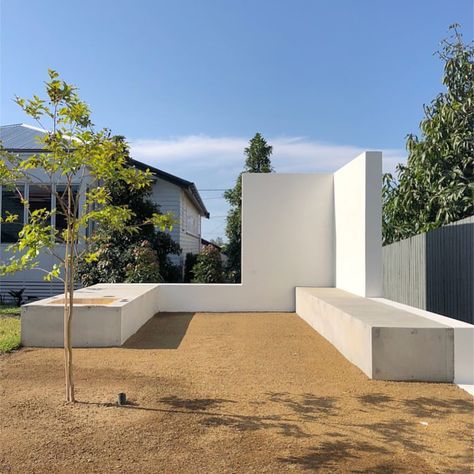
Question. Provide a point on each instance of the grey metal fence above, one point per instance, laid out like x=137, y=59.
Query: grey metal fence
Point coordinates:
x=434, y=271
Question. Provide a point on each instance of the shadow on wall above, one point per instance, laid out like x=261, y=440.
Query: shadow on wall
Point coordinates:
x=162, y=331
x=450, y=271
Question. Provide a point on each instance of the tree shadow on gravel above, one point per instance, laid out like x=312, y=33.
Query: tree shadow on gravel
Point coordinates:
x=329, y=454
x=302, y=408
x=377, y=399
x=425, y=407
x=403, y=433
x=308, y=407
x=257, y=423
x=195, y=404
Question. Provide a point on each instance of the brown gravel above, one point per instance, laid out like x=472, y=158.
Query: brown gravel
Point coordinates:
x=225, y=393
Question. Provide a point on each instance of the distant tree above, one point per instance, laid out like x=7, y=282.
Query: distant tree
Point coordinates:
x=208, y=267
x=218, y=241
x=257, y=161
x=436, y=187
x=75, y=161
x=120, y=254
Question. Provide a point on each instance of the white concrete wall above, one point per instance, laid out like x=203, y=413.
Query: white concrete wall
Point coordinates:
x=287, y=236
x=287, y=241
x=142, y=305
x=93, y=324
x=358, y=211
x=383, y=341
x=463, y=342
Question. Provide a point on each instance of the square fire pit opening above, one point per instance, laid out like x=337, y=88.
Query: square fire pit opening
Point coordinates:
x=88, y=301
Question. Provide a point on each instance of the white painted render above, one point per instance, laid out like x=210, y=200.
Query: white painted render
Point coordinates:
x=287, y=240
x=357, y=201
x=318, y=230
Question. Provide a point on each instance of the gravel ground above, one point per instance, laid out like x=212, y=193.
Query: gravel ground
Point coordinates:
x=225, y=393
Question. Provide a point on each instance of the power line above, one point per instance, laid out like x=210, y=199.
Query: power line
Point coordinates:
x=213, y=189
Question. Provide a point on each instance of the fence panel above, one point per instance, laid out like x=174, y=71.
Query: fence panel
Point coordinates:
x=434, y=271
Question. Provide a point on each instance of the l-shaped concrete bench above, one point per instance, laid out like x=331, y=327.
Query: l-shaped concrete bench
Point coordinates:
x=385, y=342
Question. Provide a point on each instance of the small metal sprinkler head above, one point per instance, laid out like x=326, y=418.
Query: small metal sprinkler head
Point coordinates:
x=122, y=398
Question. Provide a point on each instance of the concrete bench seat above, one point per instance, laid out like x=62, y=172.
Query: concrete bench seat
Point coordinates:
x=385, y=342
x=105, y=315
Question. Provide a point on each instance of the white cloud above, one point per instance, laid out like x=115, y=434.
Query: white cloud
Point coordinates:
x=215, y=162
x=198, y=154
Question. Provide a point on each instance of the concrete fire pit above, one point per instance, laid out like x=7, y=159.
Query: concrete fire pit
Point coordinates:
x=104, y=315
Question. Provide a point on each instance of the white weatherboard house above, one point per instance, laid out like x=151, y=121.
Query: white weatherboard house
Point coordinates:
x=171, y=193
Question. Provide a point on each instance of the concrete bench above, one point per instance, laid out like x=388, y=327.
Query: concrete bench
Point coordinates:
x=105, y=315
x=385, y=342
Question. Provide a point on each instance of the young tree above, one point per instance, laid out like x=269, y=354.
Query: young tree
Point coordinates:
x=436, y=185
x=257, y=161
x=75, y=162
x=208, y=267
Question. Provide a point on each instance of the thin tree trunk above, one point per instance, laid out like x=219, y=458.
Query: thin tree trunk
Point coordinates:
x=68, y=308
x=71, y=311
x=67, y=312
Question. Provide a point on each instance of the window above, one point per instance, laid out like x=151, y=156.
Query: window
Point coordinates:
x=60, y=216
x=39, y=197
x=192, y=225
x=11, y=204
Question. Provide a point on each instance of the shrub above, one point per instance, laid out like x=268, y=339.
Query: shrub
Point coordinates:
x=143, y=266
x=190, y=261
x=208, y=267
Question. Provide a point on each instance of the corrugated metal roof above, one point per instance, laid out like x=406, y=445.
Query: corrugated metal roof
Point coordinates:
x=20, y=137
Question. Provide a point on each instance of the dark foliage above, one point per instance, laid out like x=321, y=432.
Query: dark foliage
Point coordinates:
x=208, y=267
x=257, y=161
x=143, y=256
x=436, y=186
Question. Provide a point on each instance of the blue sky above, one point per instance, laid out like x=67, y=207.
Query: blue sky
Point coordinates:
x=189, y=82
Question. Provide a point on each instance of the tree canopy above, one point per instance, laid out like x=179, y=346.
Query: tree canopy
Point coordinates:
x=436, y=187
x=124, y=257
x=257, y=161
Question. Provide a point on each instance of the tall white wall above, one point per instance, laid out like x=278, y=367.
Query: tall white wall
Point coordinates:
x=287, y=235
x=357, y=201
x=287, y=241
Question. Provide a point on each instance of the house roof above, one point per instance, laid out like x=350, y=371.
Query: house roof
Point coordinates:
x=188, y=187
x=206, y=242
x=22, y=138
